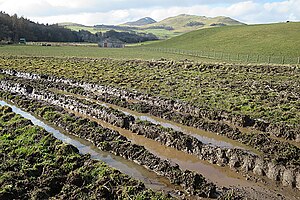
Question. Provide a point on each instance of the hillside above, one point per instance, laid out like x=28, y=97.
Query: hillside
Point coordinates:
x=70, y=24
x=265, y=39
x=141, y=22
x=78, y=27
x=184, y=23
x=167, y=28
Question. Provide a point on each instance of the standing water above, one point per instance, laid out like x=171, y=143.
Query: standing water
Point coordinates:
x=136, y=171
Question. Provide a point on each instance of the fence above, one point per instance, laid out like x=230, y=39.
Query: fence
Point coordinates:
x=243, y=58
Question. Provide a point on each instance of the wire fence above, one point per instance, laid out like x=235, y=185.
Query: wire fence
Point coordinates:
x=239, y=57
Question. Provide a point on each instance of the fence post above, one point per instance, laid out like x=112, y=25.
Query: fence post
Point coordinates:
x=257, y=60
x=282, y=59
x=269, y=59
x=247, y=58
x=238, y=57
x=298, y=60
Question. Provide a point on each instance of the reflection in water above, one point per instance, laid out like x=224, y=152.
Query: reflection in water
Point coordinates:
x=205, y=140
x=150, y=179
x=203, y=136
x=220, y=175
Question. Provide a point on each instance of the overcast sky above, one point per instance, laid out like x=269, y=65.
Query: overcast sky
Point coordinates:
x=91, y=12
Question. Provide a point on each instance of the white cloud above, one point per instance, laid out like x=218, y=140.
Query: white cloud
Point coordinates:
x=25, y=7
x=68, y=3
x=112, y=17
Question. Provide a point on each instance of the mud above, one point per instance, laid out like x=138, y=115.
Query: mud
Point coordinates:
x=112, y=141
x=151, y=180
x=235, y=159
x=35, y=165
x=159, y=106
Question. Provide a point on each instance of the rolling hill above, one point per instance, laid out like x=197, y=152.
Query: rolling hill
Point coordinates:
x=174, y=26
x=70, y=24
x=164, y=29
x=78, y=27
x=141, y=22
x=267, y=39
x=185, y=23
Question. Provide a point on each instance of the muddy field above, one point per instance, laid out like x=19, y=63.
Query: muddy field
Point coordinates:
x=213, y=131
x=35, y=165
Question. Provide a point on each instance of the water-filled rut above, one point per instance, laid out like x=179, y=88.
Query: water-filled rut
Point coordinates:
x=130, y=168
x=152, y=146
x=221, y=176
x=203, y=136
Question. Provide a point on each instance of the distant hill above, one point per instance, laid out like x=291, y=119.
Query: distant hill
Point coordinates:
x=281, y=39
x=70, y=24
x=164, y=29
x=141, y=22
x=185, y=23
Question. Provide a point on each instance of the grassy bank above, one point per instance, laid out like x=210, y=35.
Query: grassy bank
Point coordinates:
x=35, y=165
x=264, y=92
x=280, y=39
x=90, y=52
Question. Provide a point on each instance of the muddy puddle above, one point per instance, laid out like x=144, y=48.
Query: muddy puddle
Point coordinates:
x=203, y=136
x=150, y=179
x=221, y=176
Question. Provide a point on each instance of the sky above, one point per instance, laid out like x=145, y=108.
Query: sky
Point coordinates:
x=92, y=12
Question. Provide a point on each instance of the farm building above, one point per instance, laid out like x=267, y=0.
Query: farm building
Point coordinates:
x=22, y=41
x=111, y=43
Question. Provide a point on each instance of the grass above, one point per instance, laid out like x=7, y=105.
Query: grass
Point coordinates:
x=178, y=23
x=142, y=43
x=160, y=33
x=35, y=165
x=86, y=28
x=270, y=95
x=280, y=39
x=90, y=52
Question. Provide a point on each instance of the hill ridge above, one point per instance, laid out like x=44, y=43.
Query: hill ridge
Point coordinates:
x=141, y=22
x=166, y=28
x=278, y=39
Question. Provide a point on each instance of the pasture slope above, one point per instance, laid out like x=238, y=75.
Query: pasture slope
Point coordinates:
x=281, y=39
x=166, y=28
x=185, y=23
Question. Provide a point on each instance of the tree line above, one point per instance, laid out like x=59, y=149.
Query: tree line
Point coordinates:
x=12, y=28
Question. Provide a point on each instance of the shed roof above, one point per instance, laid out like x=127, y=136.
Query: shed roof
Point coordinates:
x=112, y=40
